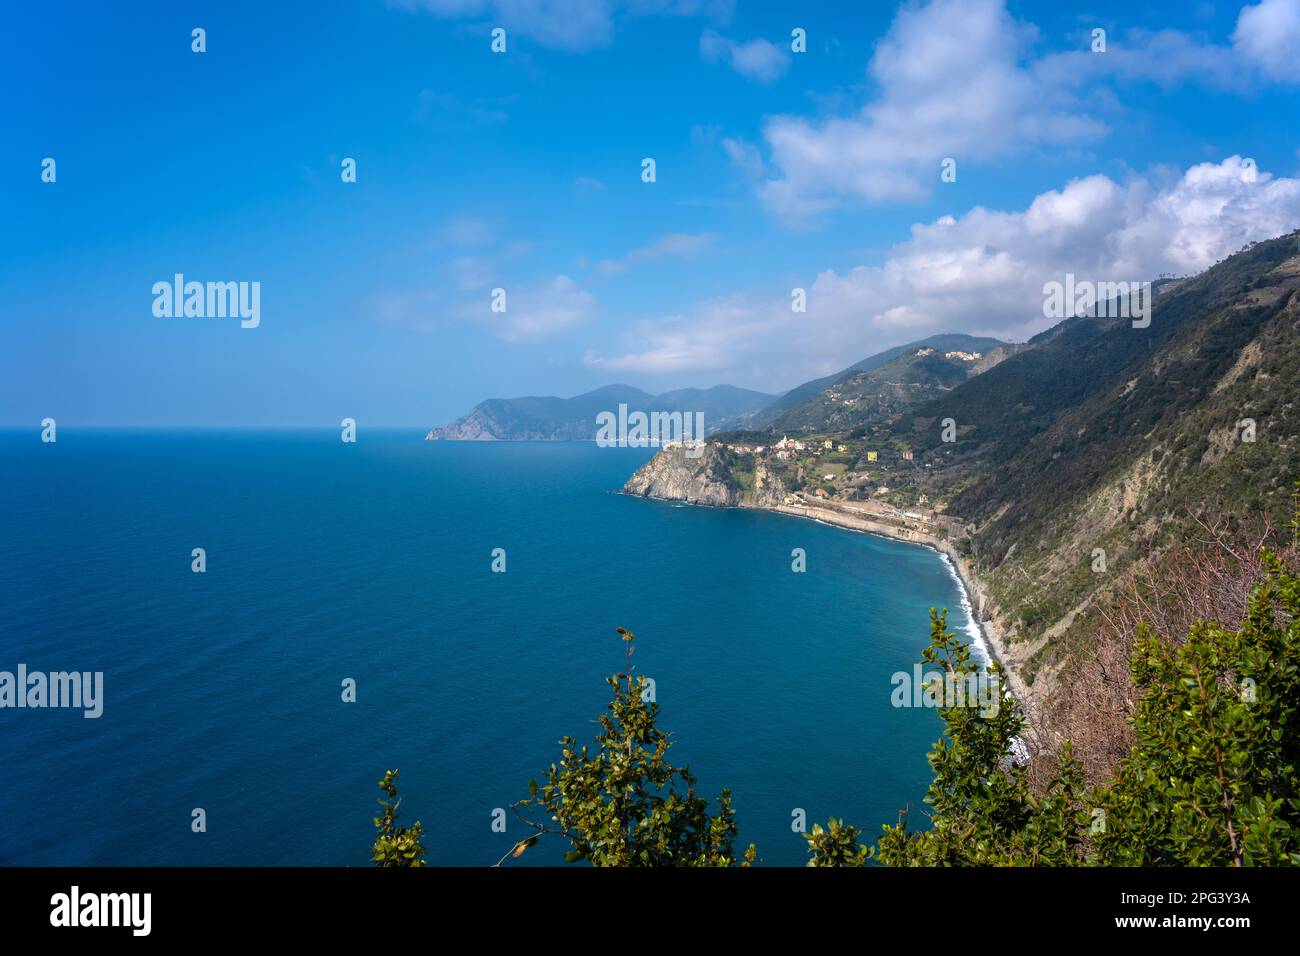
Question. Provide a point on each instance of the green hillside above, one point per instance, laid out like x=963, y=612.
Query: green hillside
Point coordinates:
x=864, y=397
x=1063, y=467
x=803, y=404
x=1105, y=436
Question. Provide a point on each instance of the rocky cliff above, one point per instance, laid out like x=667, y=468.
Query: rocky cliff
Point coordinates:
x=705, y=480
x=672, y=476
x=476, y=426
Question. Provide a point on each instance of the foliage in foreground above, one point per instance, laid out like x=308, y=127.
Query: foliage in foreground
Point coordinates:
x=1211, y=778
x=395, y=846
x=620, y=802
x=982, y=808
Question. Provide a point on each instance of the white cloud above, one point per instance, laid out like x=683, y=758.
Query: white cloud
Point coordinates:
x=758, y=59
x=666, y=358
x=674, y=245
x=981, y=272
x=705, y=340
x=561, y=24
x=958, y=78
x=538, y=311
x=950, y=83
x=535, y=311
x=1265, y=47
x=744, y=156
x=1268, y=35
x=720, y=10
x=1163, y=57
x=572, y=25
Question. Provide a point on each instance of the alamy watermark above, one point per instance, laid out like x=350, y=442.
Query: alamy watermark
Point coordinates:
x=208, y=300
x=128, y=910
x=69, y=689
x=653, y=429
x=978, y=689
x=1121, y=300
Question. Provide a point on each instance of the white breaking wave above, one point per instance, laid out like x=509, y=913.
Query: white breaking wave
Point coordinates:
x=974, y=632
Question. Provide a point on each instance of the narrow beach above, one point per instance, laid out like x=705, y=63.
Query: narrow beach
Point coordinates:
x=987, y=635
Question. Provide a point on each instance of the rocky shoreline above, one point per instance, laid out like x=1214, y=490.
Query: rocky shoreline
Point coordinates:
x=672, y=475
x=983, y=611
x=694, y=481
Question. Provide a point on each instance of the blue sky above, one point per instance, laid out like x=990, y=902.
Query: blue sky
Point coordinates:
x=522, y=170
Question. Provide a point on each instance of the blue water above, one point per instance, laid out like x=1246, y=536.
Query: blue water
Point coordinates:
x=372, y=561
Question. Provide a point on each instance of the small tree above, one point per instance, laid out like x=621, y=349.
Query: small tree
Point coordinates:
x=1213, y=777
x=395, y=846
x=620, y=802
x=836, y=845
x=983, y=811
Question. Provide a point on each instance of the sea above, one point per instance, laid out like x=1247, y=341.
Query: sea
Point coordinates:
x=349, y=621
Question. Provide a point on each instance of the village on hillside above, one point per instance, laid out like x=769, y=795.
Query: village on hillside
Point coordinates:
x=881, y=480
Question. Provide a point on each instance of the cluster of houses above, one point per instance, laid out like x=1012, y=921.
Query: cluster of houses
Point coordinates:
x=964, y=356
x=836, y=396
x=784, y=448
x=790, y=448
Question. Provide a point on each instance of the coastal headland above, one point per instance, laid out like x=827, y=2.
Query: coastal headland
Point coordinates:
x=672, y=477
